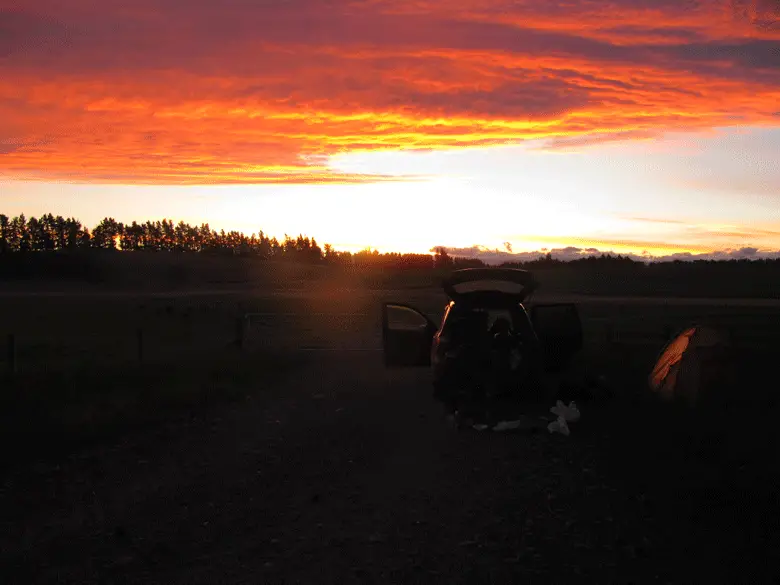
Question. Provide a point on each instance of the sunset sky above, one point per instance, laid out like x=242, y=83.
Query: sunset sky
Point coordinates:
x=642, y=126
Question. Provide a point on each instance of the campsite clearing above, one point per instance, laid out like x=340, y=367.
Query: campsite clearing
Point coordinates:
x=340, y=471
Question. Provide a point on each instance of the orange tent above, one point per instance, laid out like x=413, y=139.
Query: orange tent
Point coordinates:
x=689, y=363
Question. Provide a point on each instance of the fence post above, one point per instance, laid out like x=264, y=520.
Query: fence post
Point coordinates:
x=241, y=332
x=732, y=333
x=12, y=365
x=609, y=333
x=139, y=338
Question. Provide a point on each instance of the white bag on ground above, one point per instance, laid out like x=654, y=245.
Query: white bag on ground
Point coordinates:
x=523, y=423
x=569, y=413
x=559, y=426
x=508, y=425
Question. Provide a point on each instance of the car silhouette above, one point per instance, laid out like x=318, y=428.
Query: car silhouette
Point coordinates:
x=487, y=338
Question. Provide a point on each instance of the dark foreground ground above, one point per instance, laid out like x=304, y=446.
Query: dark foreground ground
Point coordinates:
x=346, y=473
x=339, y=471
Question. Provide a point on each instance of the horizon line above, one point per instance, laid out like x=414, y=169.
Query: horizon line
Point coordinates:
x=483, y=253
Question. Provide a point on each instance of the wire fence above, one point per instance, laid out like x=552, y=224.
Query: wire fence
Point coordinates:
x=178, y=341
x=742, y=334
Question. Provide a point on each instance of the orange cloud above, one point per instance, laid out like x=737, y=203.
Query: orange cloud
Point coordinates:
x=188, y=92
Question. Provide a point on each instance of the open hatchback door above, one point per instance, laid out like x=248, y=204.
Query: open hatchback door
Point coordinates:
x=559, y=330
x=407, y=335
x=469, y=283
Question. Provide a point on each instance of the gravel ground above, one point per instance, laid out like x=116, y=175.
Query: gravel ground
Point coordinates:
x=347, y=473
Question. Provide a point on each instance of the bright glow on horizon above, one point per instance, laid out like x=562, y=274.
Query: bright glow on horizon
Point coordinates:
x=625, y=125
x=625, y=198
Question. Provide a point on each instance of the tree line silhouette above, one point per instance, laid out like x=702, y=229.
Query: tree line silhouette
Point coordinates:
x=58, y=247
x=50, y=233
x=54, y=233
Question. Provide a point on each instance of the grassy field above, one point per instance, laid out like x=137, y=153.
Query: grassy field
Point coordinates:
x=90, y=369
x=73, y=332
x=86, y=363
x=200, y=461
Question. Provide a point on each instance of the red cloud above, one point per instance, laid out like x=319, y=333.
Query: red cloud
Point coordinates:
x=240, y=91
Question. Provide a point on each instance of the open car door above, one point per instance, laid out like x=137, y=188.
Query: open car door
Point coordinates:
x=559, y=329
x=407, y=335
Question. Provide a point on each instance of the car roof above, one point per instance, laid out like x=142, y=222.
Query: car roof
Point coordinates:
x=498, y=285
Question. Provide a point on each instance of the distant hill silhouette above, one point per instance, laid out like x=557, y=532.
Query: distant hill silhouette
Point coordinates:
x=53, y=248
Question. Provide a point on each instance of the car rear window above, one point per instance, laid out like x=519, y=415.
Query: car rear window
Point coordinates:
x=481, y=319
